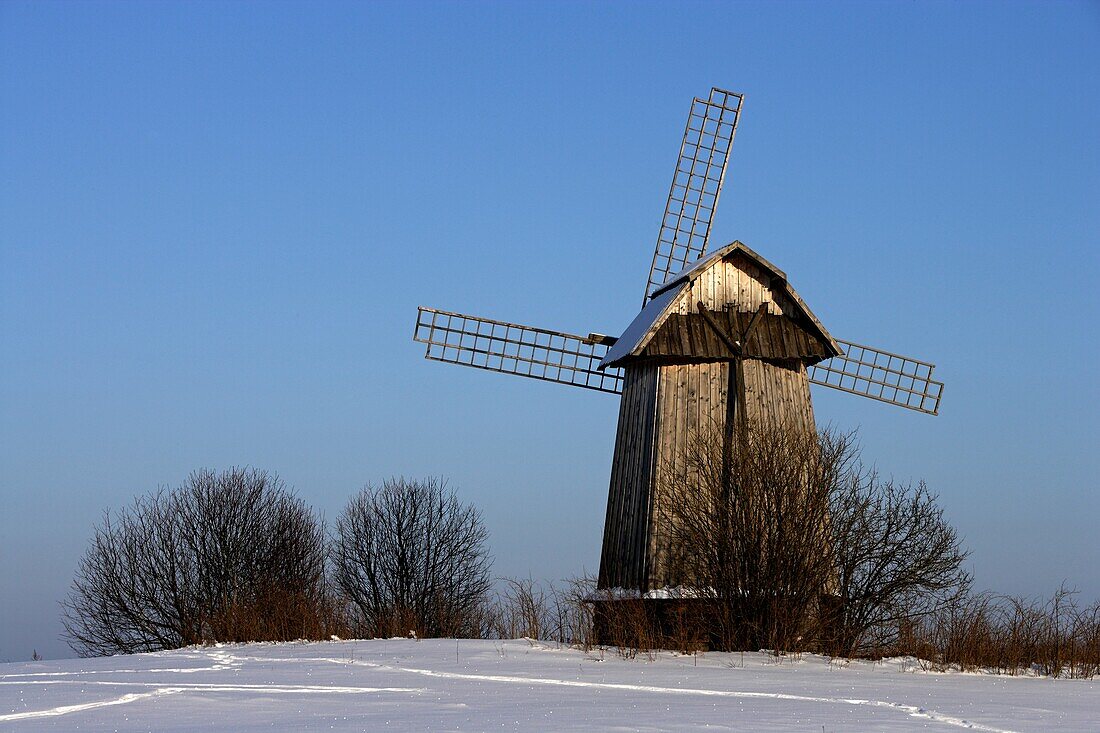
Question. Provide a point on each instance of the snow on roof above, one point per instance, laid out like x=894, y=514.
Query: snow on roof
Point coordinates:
x=647, y=319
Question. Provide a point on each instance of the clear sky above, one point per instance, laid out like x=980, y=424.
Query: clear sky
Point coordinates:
x=217, y=220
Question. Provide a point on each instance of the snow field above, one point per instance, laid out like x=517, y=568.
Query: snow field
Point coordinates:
x=474, y=685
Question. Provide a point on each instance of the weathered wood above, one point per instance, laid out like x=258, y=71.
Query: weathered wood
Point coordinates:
x=771, y=337
x=693, y=377
x=733, y=346
x=733, y=277
x=626, y=523
x=752, y=321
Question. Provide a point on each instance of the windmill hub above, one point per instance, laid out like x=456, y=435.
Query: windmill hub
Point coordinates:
x=719, y=338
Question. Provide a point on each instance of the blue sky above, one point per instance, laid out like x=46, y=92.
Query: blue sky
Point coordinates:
x=218, y=220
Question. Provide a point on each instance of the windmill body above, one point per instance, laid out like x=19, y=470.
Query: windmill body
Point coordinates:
x=720, y=338
x=728, y=341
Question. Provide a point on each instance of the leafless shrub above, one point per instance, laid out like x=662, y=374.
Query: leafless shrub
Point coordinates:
x=896, y=557
x=576, y=612
x=796, y=546
x=578, y=615
x=628, y=624
x=749, y=528
x=231, y=556
x=683, y=632
x=1055, y=636
x=408, y=556
x=525, y=608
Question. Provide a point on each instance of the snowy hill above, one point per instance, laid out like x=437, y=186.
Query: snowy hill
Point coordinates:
x=517, y=685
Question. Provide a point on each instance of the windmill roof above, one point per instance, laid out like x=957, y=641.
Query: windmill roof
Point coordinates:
x=642, y=326
x=638, y=334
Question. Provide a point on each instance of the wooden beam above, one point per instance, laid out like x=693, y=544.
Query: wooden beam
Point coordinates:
x=599, y=338
x=755, y=317
x=733, y=346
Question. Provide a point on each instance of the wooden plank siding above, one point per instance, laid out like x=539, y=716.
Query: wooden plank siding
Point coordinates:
x=772, y=337
x=778, y=392
x=691, y=399
x=735, y=280
x=626, y=526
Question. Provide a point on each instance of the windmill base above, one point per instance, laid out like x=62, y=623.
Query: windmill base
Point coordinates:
x=683, y=624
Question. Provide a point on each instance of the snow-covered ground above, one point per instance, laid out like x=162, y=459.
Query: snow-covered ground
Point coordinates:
x=517, y=685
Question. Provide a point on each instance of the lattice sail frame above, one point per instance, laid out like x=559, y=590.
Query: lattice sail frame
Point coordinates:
x=554, y=356
x=696, y=185
x=499, y=346
x=881, y=375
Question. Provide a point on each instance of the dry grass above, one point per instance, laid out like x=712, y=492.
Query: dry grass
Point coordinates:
x=1055, y=636
x=279, y=615
x=524, y=608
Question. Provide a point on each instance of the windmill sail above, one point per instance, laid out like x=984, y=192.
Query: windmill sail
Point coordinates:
x=696, y=185
x=881, y=375
x=554, y=356
x=499, y=346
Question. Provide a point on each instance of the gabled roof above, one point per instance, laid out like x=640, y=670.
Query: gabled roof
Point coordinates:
x=638, y=334
x=693, y=271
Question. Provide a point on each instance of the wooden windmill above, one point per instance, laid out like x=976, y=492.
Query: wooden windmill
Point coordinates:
x=719, y=337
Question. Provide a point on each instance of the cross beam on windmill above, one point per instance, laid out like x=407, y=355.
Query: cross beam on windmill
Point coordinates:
x=714, y=330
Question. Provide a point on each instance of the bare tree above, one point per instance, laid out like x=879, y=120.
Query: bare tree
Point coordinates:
x=749, y=528
x=798, y=546
x=409, y=556
x=231, y=556
x=897, y=559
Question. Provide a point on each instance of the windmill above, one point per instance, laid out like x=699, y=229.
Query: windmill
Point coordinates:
x=720, y=338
